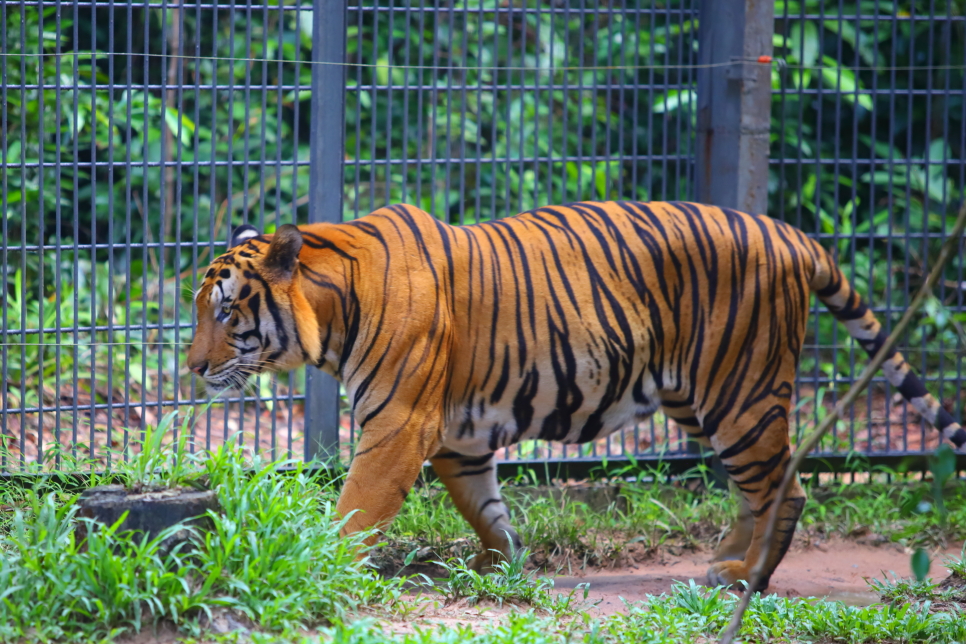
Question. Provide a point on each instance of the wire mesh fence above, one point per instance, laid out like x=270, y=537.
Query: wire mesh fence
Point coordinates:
x=134, y=135
x=867, y=155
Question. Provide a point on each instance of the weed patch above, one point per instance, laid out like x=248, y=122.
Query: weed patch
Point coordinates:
x=274, y=559
x=644, y=519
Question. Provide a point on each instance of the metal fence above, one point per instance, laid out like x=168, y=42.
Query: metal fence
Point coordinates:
x=133, y=136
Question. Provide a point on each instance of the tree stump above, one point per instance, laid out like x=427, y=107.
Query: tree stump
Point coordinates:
x=150, y=512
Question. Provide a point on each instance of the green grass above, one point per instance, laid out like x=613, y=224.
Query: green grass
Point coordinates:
x=275, y=561
x=509, y=583
x=273, y=557
x=687, y=613
x=565, y=532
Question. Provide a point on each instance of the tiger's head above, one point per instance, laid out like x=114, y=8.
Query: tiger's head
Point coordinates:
x=253, y=315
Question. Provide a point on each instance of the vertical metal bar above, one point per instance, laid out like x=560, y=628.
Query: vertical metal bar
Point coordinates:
x=508, y=125
x=128, y=208
x=230, y=193
x=360, y=32
x=24, y=276
x=734, y=104
x=195, y=215
x=360, y=48
x=432, y=131
x=448, y=148
x=246, y=169
x=464, y=78
x=836, y=96
x=166, y=207
x=910, y=107
x=551, y=97
x=110, y=233
x=945, y=57
x=404, y=168
x=213, y=226
x=290, y=450
x=889, y=241
x=92, y=431
x=564, y=130
x=691, y=105
x=853, y=199
x=479, y=110
x=41, y=237
x=75, y=135
x=927, y=209
x=873, y=166
x=420, y=200
x=176, y=211
x=58, y=280
x=4, y=226
x=649, y=147
x=325, y=197
x=390, y=58
x=266, y=21
x=521, y=172
x=493, y=120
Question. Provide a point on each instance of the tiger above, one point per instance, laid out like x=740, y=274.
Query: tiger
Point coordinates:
x=563, y=323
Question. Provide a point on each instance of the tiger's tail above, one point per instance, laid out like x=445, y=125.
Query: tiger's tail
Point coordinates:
x=845, y=303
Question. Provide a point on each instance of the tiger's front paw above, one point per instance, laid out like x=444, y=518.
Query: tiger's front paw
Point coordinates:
x=729, y=573
x=485, y=562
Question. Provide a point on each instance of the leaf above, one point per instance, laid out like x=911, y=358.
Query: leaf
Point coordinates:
x=674, y=99
x=943, y=464
x=187, y=126
x=410, y=557
x=920, y=564
x=844, y=82
x=802, y=43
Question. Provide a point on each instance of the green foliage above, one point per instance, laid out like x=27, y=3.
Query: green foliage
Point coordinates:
x=564, y=532
x=687, y=613
x=274, y=556
x=920, y=564
x=509, y=582
x=156, y=464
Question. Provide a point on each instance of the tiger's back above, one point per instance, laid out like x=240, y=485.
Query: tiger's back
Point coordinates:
x=564, y=323
x=597, y=314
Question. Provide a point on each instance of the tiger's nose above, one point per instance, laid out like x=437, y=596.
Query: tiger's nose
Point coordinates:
x=199, y=368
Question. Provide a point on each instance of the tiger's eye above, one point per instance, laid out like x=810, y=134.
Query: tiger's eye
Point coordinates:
x=226, y=308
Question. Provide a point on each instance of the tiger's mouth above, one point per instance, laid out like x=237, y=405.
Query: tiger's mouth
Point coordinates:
x=232, y=381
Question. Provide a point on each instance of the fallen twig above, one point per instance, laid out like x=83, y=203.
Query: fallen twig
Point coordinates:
x=947, y=251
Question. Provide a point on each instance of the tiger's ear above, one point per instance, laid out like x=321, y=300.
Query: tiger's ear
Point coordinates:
x=283, y=252
x=242, y=234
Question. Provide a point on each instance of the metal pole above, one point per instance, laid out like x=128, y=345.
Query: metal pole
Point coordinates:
x=325, y=198
x=734, y=103
x=734, y=115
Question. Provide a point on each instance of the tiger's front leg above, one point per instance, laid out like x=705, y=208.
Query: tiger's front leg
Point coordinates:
x=387, y=462
x=471, y=483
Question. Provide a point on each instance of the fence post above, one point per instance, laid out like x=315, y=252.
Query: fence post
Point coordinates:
x=734, y=103
x=325, y=198
x=734, y=113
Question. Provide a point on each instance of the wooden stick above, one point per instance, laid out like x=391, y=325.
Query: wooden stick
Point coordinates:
x=947, y=252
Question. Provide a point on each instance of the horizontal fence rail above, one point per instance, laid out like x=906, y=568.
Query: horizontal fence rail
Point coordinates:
x=135, y=135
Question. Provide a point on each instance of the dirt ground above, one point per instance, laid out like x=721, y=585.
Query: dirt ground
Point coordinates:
x=835, y=570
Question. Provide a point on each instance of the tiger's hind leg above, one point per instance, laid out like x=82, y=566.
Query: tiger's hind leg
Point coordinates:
x=736, y=542
x=755, y=452
x=472, y=484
